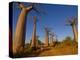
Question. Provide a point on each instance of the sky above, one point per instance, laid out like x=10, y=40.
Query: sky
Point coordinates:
x=51, y=15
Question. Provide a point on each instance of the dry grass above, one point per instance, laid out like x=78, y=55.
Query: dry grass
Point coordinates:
x=61, y=49
x=67, y=50
x=64, y=48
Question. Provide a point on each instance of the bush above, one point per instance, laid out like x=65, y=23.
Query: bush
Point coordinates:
x=67, y=41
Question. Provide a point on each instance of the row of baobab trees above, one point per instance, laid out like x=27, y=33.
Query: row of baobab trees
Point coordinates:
x=19, y=36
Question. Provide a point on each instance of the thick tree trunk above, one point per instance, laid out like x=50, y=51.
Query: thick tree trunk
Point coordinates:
x=51, y=40
x=46, y=39
x=33, y=43
x=37, y=44
x=75, y=32
x=19, y=37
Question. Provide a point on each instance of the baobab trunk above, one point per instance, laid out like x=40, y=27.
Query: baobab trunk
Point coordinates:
x=19, y=37
x=75, y=32
x=37, y=44
x=47, y=39
x=33, y=43
x=51, y=40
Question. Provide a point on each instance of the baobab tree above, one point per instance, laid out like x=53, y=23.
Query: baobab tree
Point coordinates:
x=33, y=43
x=19, y=36
x=73, y=22
x=51, y=39
x=47, y=30
x=37, y=41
